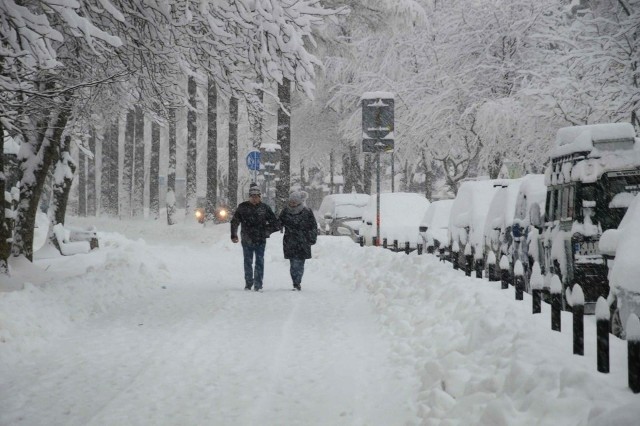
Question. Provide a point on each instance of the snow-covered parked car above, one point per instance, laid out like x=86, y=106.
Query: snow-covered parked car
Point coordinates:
x=434, y=225
x=341, y=214
x=497, y=226
x=621, y=246
x=400, y=217
x=468, y=217
x=593, y=174
x=527, y=222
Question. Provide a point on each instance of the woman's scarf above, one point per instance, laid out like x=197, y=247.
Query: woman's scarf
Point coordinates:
x=295, y=210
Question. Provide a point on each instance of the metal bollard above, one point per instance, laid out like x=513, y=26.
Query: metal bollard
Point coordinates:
x=384, y=243
x=361, y=238
x=537, y=282
x=479, y=265
x=633, y=347
x=430, y=249
x=395, y=245
x=374, y=241
x=577, y=297
x=442, y=256
x=602, y=327
x=518, y=272
x=468, y=258
x=419, y=248
x=504, y=272
x=407, y=247
x=556, y=303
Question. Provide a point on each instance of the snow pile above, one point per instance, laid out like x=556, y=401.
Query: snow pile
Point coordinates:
x=89, y=285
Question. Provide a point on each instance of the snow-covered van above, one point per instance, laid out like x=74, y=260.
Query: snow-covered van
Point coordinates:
x=621, y=247
x=527, y=222
x=468, y=217
x=592, y=177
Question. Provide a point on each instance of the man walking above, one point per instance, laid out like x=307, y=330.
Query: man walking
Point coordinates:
x=258, y=222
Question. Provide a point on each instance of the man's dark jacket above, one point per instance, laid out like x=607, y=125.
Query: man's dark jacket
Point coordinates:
x=258, y=222
x=300, y=233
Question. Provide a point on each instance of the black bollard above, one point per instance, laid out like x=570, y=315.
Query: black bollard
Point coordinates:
x=407, y=247
x=419, y=248
x=493, y=275
x=455, y=260
x=536, y=300
x=395, y=245
x=519, y=285
x=602, y=330
x=361, y=238
x=633, y=348
x=375, y=241
x=384, y=243
x=442, y=255
x=577, y=297
x=556, y=303
x=479, y=267
x=468, y=259
x=518, y=280
x=536, y=281
x=504, y=278
x=430, y=249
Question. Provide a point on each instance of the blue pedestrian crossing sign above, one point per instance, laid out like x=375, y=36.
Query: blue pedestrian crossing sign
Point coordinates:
x=253, y=160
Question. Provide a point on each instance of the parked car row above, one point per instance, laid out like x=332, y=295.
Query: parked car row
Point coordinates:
x=580, y=220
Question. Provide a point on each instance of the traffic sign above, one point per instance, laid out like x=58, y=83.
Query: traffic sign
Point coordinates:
x=253, y=160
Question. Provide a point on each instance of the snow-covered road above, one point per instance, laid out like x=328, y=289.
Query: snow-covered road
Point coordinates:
x=161, y=332
x=199, y=350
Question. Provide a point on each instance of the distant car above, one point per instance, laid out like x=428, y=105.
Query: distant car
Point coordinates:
x=400, y=217
x=434, y=225
x=620, y=247
x=341, y=214
x=221, y=214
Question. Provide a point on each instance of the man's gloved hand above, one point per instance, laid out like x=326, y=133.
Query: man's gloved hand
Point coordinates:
x=234, y=239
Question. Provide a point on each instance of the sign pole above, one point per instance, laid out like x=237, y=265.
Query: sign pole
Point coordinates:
x=378, y=198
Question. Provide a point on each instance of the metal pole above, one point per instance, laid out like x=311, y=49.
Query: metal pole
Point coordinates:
x=393, y=172
x=378, y=196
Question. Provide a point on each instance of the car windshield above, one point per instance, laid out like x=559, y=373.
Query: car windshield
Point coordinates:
x=612, y=196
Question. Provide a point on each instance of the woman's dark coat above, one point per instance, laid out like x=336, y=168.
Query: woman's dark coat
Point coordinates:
x=300, y=233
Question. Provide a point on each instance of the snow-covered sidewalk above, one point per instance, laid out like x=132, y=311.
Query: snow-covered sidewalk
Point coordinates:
x=161, y=332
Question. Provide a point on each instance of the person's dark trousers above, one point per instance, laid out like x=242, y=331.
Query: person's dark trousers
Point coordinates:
x=252, y=277
x=297, y=270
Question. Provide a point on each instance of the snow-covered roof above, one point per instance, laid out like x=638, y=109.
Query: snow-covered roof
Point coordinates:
x=603, y=137
x=377, y=95
x=330, y=202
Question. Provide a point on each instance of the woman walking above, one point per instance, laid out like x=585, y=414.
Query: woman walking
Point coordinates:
x=300, y=233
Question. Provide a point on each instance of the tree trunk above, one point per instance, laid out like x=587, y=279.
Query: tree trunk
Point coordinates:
x=256, y=118
x=43, y=146
x=233, y=152
x=109, y=183
x=63, y=172
x=154, y=172
x=356, y=172
x=212, y=149
x=171, y=172
x=91, y=175
x=192, y=153
x=428, y=176
x=303, y=182
x=347, y=174
x=5, y=224
x=127, y=172
x=331, y=172
x=283, y=136
x=82, y=184
x=137, y=203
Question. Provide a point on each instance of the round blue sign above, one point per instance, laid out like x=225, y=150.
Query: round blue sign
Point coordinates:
x=253, y=160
